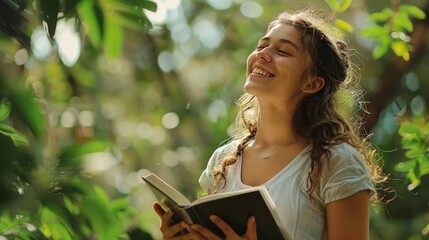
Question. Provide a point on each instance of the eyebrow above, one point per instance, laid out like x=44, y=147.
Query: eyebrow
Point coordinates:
x=282, y=40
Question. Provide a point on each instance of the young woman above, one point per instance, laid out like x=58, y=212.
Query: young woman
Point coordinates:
x=293, y=140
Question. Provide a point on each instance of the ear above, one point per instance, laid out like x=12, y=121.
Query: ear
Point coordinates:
x=313, y=85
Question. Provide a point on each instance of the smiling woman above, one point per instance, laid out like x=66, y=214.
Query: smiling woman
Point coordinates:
x=292, y=140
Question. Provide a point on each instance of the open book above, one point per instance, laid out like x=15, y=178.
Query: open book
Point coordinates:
x=233, y=207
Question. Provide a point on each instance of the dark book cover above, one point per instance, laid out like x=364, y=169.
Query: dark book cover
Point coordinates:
x=234, y=208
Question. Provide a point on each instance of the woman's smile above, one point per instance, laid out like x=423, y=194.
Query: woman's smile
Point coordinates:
x=262, y=72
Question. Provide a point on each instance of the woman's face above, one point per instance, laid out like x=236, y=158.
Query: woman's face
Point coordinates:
x=275, y=68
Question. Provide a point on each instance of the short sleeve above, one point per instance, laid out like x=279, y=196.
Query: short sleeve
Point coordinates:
x=346, y=175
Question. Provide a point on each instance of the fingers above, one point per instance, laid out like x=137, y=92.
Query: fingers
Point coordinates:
x=158, y=209
x=200, y=232
x=251, y=229
x=229, y=232
x=195, y=235
x=165, y=216
x=168, y=230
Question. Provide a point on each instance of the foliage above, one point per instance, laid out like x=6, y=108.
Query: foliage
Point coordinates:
x=45, y=196
x=391, y=27
x=415, y=139
x=339, y=6
x=76, y=136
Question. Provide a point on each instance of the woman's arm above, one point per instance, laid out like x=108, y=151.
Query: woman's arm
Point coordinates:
x=348, y=218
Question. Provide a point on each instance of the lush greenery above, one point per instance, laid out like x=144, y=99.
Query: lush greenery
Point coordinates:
x=93, y=94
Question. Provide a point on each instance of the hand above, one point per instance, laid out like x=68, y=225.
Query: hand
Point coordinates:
x=169, y=231
x=199, y=232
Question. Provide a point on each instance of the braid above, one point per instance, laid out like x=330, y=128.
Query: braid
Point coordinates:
x=219, y=173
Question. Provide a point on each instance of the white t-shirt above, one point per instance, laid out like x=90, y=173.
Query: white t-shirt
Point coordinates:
x=344, y=175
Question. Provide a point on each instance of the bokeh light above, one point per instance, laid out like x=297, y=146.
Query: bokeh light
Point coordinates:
x=251, y=9
x=170, y=120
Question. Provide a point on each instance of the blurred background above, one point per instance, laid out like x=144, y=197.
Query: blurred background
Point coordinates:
x=95, y=94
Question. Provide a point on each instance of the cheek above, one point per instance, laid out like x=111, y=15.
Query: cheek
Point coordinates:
x=250, y=59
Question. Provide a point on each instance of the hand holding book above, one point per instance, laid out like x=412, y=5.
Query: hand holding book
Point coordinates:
x=233, y=208
x=228, y=232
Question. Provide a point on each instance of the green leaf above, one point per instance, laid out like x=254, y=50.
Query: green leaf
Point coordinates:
x=424, y=168
x=105, y=224
x=9, y=222
x=409, y=128
x=341, y=24
x=417, y=172
x=374, y=32
x=402, y=22
x=5, y=108
x=379, y=17
x=380, y=50
x=27, y=108
x=413, y=11
x=93, y=19
x=18, y=139
x=409, y=142
x=66, y=223
x=48, y=11
x=70, y=156
x=138, y=4
x=113, y=38
x=332, y=3
x=405, y=166
x=413, y=153
x=343, y=5
x=130, y=20
x=149, y=5
x=119, y=205
x=400, y=49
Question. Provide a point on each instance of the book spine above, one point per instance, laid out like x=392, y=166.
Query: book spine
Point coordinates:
x=194, y=215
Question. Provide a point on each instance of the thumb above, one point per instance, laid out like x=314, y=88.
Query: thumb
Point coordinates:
x=251, y=229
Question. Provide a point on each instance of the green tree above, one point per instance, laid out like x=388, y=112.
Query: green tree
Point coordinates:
x=93, y=94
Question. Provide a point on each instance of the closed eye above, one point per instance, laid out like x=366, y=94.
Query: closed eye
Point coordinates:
x=283, y=53
x=259, y=47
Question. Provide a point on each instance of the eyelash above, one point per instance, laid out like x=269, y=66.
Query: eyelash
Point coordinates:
x=281, y=52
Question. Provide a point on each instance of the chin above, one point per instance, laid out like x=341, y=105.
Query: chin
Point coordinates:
x=253, y=89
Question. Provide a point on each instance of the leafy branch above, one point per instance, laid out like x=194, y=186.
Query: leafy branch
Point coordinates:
x=391, y=28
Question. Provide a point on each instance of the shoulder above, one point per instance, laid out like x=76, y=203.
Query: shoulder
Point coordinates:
x=206, y=178
x=344, y=174
x=345, y=156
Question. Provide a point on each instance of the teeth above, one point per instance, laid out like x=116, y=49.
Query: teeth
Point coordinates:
x=262, y=72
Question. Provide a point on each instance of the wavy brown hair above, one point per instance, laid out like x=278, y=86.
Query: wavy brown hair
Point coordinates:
x=317, y=119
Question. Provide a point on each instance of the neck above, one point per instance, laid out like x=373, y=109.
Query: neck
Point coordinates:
x=275, y=127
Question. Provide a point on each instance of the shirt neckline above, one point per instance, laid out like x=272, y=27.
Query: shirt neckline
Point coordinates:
x=277, y=175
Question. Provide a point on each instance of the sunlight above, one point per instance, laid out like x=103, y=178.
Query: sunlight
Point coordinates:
x=69, y=43
x=220, y=4
x=21, y=57
x=40, y=44
x=170, y=120
x=68, y=119
x=251, y=9
x=86, y=118
x=98, y=162
x=160, y=15
x=209, y=34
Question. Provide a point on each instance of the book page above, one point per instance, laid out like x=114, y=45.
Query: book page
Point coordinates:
x=167, y=190
x=227, y=194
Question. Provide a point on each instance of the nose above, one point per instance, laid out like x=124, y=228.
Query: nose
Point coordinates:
x=264, y=55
